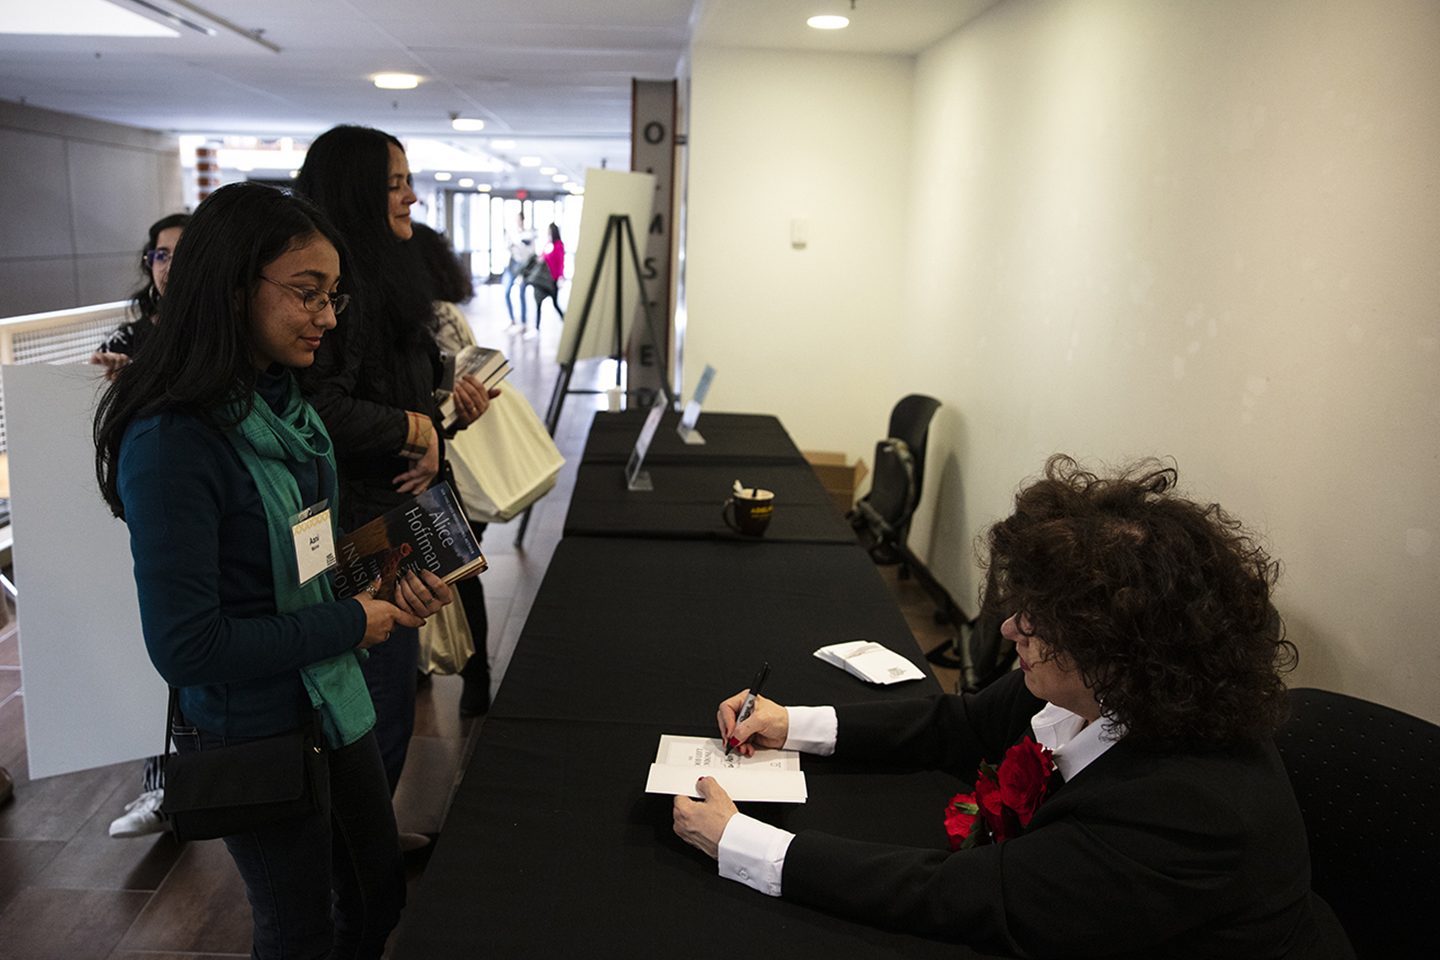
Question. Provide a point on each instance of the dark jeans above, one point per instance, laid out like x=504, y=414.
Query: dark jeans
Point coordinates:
x=294, y=868
x=390, y=675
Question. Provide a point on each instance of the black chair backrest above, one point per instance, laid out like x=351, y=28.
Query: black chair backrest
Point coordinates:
x=894, y=488
x=1368, y=781
x=910, y=421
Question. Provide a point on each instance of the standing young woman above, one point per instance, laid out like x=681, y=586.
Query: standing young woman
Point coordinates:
x=207, y=451
x=548, y=284
x=374, y=380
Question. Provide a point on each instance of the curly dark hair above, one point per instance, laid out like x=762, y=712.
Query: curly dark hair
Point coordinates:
x=1162, y=604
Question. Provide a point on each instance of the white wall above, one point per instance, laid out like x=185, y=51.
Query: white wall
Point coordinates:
x=808, y=335
x=1201, y=230
x=77, y=197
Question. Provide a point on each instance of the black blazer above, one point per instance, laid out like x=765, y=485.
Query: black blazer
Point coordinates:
x=1143, y=854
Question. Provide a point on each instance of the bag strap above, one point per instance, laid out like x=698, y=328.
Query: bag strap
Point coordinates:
x=170, y=720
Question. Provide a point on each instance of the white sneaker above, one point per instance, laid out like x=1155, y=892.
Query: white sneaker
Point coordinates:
x=531, y=334
x=141, y=816
x=514, y=327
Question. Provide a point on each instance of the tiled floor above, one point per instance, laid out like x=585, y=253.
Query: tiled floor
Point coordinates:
x=69, y=891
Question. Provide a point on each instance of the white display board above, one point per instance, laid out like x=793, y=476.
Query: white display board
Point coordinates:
x=91, y=696
x=607, y=192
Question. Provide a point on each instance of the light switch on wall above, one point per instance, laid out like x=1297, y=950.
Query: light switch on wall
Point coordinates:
x=799, y=233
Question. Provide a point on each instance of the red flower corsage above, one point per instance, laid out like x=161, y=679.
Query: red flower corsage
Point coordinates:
x=1004, y=799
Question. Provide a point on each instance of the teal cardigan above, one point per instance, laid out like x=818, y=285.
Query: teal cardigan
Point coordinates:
x=203, y=578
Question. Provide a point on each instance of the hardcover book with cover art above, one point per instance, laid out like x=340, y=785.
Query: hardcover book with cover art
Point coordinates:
x=427, y=531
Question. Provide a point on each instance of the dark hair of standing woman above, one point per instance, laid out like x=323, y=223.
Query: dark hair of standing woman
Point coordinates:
x=554, y=233
x=449, y=280
x=199, y=360
x=145, y=302
x=345, y=174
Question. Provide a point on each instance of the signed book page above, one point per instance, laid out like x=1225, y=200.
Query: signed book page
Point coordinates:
x=770, y=775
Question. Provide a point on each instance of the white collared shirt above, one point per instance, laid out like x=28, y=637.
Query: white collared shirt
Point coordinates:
x=753, y=852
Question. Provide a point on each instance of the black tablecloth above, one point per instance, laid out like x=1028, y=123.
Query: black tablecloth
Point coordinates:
x=661, y=631
x=687, y=499
x=747, y=437
x=552, y=849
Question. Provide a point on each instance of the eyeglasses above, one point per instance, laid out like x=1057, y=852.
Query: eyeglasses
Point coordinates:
x=153, y=257
x=313, y=300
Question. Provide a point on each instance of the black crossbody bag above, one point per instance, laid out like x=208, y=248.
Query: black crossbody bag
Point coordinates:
x=236, y=789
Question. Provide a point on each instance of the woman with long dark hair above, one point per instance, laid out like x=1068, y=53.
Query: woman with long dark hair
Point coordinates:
x=121, y=345
x=205, y=447
x=374, y=381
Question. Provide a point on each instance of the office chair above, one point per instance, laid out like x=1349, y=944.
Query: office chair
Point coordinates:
x=1368, y=781
x=882, y=517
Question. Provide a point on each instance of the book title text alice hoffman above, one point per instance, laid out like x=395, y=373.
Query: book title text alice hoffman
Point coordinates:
x=438, y=528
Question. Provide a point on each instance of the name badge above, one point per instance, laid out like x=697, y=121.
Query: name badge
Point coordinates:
x=314, y=541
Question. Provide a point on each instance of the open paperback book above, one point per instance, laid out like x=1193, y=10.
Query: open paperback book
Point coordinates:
x=485, y=364
x=770, y=775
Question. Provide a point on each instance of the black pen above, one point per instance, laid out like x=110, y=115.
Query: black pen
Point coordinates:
x=747, y=707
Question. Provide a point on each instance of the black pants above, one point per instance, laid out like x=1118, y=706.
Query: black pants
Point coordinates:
x=323, y=887
x=540, y=297
x=476, y=697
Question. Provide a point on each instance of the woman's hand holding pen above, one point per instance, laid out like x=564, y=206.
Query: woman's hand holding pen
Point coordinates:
x=767, y=726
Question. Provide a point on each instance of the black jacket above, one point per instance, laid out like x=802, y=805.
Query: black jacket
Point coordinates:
x=1142, y=854
x=362, y=383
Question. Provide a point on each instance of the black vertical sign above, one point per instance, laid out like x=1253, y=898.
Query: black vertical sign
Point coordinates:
x=652, y=150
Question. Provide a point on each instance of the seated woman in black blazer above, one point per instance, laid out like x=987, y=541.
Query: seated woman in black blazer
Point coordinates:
x=1139, y=808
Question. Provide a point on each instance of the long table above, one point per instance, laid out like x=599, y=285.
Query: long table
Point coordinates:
x=687, y=497
x=552, y=848
x=746, y=437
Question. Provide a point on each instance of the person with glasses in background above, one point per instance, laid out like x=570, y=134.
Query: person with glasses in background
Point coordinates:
x=121, y=345
x=142, y=815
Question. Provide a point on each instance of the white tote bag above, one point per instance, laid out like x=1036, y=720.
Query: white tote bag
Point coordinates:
x=504, y=461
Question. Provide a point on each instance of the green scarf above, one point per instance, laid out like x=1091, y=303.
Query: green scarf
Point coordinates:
x=266, y=442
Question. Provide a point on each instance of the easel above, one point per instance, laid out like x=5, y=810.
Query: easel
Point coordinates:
x=617, y=230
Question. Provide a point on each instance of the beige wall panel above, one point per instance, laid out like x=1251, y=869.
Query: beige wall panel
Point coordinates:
x=103, y=279
x=116, y=192
x=34, y=286
x=34, y=195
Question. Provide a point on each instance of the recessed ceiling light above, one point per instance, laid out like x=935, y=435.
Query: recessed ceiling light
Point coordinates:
x=396, y=81
x=483, y=187
x=442, y=176
x=575, y=188
x=828, y=22
x=559, y=178
x=502, y=144
x=467, y=124
x=548, y=171
x=466, y=181
x=530, y=161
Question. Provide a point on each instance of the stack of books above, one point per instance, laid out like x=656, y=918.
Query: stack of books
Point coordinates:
x=485, y=364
